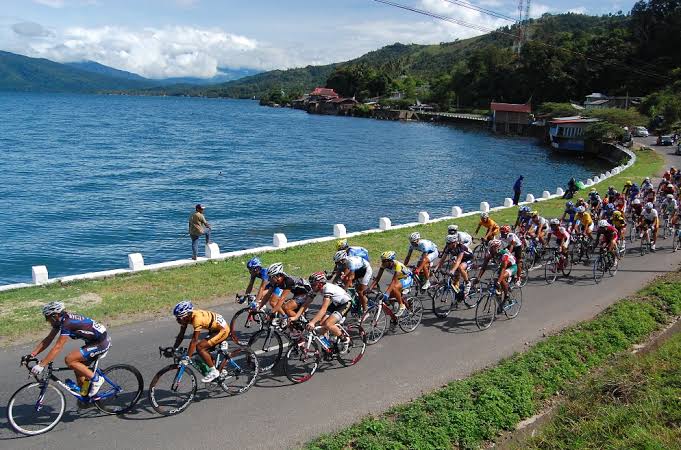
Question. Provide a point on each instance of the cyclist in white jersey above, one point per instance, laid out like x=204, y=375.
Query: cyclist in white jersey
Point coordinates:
x=463, y=237
x=335, y=306
x=651, y=218
x=428, y=254
x=351, y=268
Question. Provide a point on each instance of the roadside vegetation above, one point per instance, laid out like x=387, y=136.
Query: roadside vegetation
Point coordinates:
x=635, y=402
x=469, y=412
x=146, y=294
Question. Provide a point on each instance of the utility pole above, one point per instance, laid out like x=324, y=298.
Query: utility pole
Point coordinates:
x=519, y=41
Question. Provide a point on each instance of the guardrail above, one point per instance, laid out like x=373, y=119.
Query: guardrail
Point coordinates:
x=40, y=275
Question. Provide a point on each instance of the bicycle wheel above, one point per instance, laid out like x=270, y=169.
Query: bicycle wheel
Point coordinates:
x=374, y=323
x=23, y=413
x=172, y=389
x=122, y=389
x=513, y=305
x=245, y=324
x=551, y=270
x=599, y=269
x=479, y=252
x=358, y=344
x=644, y=245
x=474, y=295
x=567, y=267
x=412, y=316
x=240, y=371
x=612, y=266
x=443, y=301
x=676, y=242
x=485, y=312
x=268, y=347
x=302, y=361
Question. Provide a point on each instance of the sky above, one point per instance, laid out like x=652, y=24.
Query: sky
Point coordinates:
x=177, y=38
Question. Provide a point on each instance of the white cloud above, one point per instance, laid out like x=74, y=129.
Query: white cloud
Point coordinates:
x=30, y=29
x=578, y=10
x=539, y=9
x=50, y=3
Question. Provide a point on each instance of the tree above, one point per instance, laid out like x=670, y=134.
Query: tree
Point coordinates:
x=553, y=109
x=620, y=117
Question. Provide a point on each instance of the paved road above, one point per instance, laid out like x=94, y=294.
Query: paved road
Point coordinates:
x=276, y=414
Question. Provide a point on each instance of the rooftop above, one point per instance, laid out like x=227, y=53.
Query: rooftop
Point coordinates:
x=511, y=107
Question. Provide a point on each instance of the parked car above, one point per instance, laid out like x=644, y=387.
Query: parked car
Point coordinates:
x=665, y=140
x=640, y=132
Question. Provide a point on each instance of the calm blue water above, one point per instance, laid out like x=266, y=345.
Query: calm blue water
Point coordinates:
x=85, y=180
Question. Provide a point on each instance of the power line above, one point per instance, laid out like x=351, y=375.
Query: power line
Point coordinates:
x=489, y=12
x=514, y=36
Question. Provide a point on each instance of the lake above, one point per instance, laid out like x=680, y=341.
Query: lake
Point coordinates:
x=88, y=179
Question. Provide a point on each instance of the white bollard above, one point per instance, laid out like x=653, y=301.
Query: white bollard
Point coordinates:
x=560, y=192
x=589, y=182
x=39, y=274
x=608, y=173
x=279, y=240
x=212, y=250
x=529, y=198
x=339, y=230
x=456, y=211
x=484, y=206
x=135, y=261
x=423, y=217
x=596, y=179
x=508, y=202
x=546, y=195
x=384, y=223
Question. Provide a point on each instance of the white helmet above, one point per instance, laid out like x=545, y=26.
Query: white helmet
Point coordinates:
x=484, y=216
x=275, y=269
x=637, y=201
x=554, y=222
x=415, y=236
x=581, y=209
x=452, y=238
x=53, y=308
x=453, y=228
x=340, y=256
x=649, y=205
x=603, y=223
x=670, y=196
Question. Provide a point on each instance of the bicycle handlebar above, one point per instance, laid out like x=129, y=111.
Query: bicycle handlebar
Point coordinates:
x=171, y=352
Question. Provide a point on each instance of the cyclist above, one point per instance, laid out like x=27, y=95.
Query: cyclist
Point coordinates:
x=353, y=268
x=583, y=222
x=581, y=202
x=562, y=236
x=650, y=219
x=402, y=278
x=669, y=207
x=569, y=212
x=335, y=306
x=538, y=227
x=255, y=268
x=342, y=244
x=646, y=184
x=609, y=236
x=458, y=257
x=627, y=188
x=620, y=223
x=594, y=200
x=633, y=192
x=428, y=255
x=201, y=320
x=523, y=219
x=606, y=212
x=512, y=243
x=491, y=226
x=620, y=202
x=464, y=237
x=69, y=325
x=611, y=193
x=279, y=287
x=507, y=265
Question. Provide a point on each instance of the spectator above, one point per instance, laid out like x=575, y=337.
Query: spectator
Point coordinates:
x=198, y=226
x=517, y=188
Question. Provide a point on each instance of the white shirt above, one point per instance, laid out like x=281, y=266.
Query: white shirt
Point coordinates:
x=337, y=294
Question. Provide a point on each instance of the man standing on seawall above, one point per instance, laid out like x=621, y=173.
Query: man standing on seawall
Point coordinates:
x=197, y=227
x=517, y=188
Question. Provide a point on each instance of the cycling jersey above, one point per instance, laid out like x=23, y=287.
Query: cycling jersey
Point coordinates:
x=465, y=238
x=355, y=263
x=511, y=238
x=584, y=219
x=358, y=251
x=509, y=259
x=207, y=320
x=80, y=327
x=337, y=294
x=296, y=285
x=618, y=223
x=424, y=246
x=560, y=232
x=400, y=270
x=650, y=216
x=489, y=224
x=570, y=214
x=262, y=274
x=540, y=224
x=609, y=233
x=633, y=193
x=670, y=206
x=454, y=252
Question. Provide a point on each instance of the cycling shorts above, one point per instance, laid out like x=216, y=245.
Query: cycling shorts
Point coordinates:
x=363, y=275
x=563, y=243
x=339, y=310
x=218, y=336
x=511, y=271
x=94, y=349
x=407, y=282
x=432, y=256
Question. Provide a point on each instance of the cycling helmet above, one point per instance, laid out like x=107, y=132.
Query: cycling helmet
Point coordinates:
x=183, y=308
x=388, y=256
x=637, y=201
x=628, y=183
x=569, y=205
x=554, y=222
x=603, y=223
x=452, y=238
x=53, y=308
x=275, y=269
x=495, y=243
x=580, y=209
x=535, y=213
x=505, y=229
x=524, y=209
x=670, y=196
x=617, y=214
x=342, y=244
x=414, y=237
x=340, y=256
x=454, y=228
x=317, y=277
x=253, y=263
x=649, y=205
x=647, y=179
x=484, y=216
x=593, y=190
x=610, y=207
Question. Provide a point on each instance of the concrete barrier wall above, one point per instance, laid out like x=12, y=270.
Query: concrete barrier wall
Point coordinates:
x=40, y=275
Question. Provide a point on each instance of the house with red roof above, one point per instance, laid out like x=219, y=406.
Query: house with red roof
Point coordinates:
x=511, y=117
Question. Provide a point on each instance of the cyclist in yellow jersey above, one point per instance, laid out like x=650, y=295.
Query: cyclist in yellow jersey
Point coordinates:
x=584, y=220
x=213, y=323
x=492, y=227
x=620, y=223
x=402, y=279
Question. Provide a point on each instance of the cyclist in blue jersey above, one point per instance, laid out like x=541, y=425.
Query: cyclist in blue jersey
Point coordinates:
x=68, y=325
x=524, y=218
x=568, y=217
x=255, y=268
x=362, y=252
x=351, y=268
x=428, y=255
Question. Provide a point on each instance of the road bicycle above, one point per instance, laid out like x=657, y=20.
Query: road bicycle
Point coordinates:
x=676, y=241
x=37, y=407
x=173, y=388
x=310, y=348
x=533, y=253
x=491, y=305
x=382, y=314
x=556, y=262
x=604, y=263
x=246, y=321
x=666, y=227
x=448, y=295
x=268, y=342
x=480, y=251
x=582, y=246
x=646, y=244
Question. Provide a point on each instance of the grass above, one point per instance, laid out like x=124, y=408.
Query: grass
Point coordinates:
x=130, y=297
x=469, y=412
x=635, y=402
